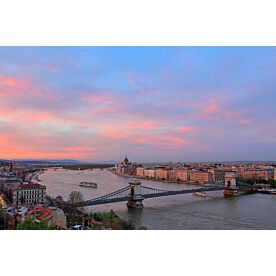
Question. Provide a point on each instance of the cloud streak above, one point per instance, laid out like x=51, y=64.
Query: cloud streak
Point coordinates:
x=174, y=103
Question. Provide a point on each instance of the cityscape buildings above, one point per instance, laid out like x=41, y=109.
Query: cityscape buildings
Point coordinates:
x=22, y=197
x=196, y=172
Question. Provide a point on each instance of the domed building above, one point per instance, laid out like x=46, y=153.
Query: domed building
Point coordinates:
x=126, y=162
x=126, y=167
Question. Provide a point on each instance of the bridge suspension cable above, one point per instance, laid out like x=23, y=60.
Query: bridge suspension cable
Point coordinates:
x=118, y=195
x=146, y=192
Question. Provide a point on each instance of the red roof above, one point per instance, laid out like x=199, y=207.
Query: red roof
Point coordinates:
x=31, y=186
x=39, y=212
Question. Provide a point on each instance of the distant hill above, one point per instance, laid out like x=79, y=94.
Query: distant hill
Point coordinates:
x=48, y=161
x=4, y=161
x=59, y=161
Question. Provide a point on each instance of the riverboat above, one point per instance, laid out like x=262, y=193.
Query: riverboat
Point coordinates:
x=200, y=194
x=231, y=192
x=88, y=184
x=268, y=191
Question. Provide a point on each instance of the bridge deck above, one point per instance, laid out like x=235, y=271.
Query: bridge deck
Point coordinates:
x=150, y=193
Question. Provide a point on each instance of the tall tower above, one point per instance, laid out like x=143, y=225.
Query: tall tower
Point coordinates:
x=11, y=167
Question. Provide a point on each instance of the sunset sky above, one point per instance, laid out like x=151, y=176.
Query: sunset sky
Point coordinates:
x=150, y=103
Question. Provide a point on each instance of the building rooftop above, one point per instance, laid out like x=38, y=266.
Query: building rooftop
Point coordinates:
x=31, y=186
x=39, y=212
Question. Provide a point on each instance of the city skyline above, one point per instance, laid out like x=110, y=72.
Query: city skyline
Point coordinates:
x=151, y=103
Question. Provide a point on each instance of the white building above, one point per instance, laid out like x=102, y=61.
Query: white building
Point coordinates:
x=26, y=194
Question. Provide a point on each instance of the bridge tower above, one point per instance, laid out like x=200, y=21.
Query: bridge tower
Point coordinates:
x=136, y=197
x=230, y=184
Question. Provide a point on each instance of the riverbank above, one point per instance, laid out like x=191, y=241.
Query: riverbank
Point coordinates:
x=172, y=212
x=157, y=180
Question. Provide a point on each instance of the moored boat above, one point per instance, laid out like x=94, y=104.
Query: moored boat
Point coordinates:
x=268, y=191
x=200, y=194
x=88, y=184
x=231, y=192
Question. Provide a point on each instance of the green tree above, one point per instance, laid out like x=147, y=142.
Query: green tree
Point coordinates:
x=142, y=228
x=272, y=183
x=111, y=219
x=30, y=224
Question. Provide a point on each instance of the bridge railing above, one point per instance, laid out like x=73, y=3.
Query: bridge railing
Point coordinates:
x=147, y=192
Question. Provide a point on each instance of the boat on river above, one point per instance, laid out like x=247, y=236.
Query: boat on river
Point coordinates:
x=268, y=191
x=88, y=184
x=200, y=194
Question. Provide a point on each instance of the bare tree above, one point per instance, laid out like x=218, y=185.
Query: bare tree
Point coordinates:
x=74, y=211
x=75, y=197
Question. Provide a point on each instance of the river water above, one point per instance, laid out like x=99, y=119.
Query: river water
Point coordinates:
x=255, y=211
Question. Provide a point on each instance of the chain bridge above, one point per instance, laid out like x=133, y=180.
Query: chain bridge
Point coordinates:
x=135, y=193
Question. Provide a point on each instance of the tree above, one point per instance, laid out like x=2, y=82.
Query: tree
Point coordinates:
x=1, y=219
x=272, y=183
x=30, y=224
x=75, y=197
x=59, y=199
x=74, y=212
x=142, y=228
x=112, y=220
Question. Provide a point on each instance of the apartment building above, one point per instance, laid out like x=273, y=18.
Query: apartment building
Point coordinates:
x=217, y=175
x=25, y=194
x=162, y=174
x=201, y=176
x=183, y=175
x=256, y=173
x=150, y=173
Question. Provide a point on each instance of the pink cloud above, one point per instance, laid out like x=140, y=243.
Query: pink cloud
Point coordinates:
x=15, y=87
x=14, y=145
x=144, y=133
x=99, y=99
x=211, y=108
x=168, y=141
x=80, y=149
x=187, y=129
x=10, y=82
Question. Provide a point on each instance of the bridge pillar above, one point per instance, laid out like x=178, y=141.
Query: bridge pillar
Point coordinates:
x=135, y=196
x=230, y=184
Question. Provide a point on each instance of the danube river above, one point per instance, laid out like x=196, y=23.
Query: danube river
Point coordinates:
x=255, y=211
